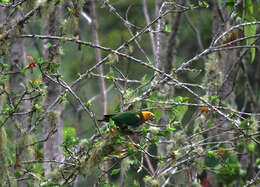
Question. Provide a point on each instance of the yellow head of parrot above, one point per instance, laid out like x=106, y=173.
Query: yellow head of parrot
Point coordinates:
x=147, y=115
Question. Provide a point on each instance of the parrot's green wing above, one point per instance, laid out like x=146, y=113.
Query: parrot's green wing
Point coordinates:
x=130, y=119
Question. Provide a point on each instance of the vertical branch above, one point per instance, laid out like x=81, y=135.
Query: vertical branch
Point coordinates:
x=17, y=83
x=160, y=61
x=160, y=36
x=219, y=79
x=196, y=30
x=4, y=154
x=52, y=147
x=172, y=38
x=150, y=166
x=100, y=68
x=148, y=21
x=98, y=57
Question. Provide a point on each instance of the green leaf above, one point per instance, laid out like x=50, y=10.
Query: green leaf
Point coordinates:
x=250, y=30
x=158, y=114
x=18, y=173
x=224, y=104
x=257, y=162
x=78, y=74
x=105, y=158
x=169, y=128
x=181, y=99
x=206, y=4
x=36, y=106
x=161, y=156
x=171, y=115
x=214, y=99
x=63, y=98
x=166, y=29
x=110, y=75
x=149, y=105
x=101, y=131
x=243, y=123
x=191, y=6
x=251, y=147
x=89, y=103
x=249, y=7
x=112, y=123
x=176, y=153
x=210, y=153
x=144, y=130
x=69, y=136
x=250, y=124
x=228, y=3
x=109, y=63
x=117, y=107
x=20, y=8
x=64, y=21
x=180, y=111
x=156, y=140
x=49, y=45
x=164, y=133
x=3, y=65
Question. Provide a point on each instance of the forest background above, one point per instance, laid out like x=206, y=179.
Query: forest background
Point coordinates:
x=194, y=64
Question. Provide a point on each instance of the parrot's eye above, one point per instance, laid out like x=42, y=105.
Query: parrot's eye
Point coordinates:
x=151, y=116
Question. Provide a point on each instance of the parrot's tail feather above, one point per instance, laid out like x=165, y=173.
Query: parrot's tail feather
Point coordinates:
x=106, y=118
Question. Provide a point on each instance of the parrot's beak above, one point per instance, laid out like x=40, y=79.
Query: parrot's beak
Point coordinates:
x=152, y=117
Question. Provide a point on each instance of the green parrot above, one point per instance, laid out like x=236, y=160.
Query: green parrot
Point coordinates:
x=131, y=119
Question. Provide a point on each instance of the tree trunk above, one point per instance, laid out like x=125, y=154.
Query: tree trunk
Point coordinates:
x=102, y=84
x=165, y=46
x=5, y=179
x=52, y=147
x=17, y=81
x=220, y=77
x=160, y=62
